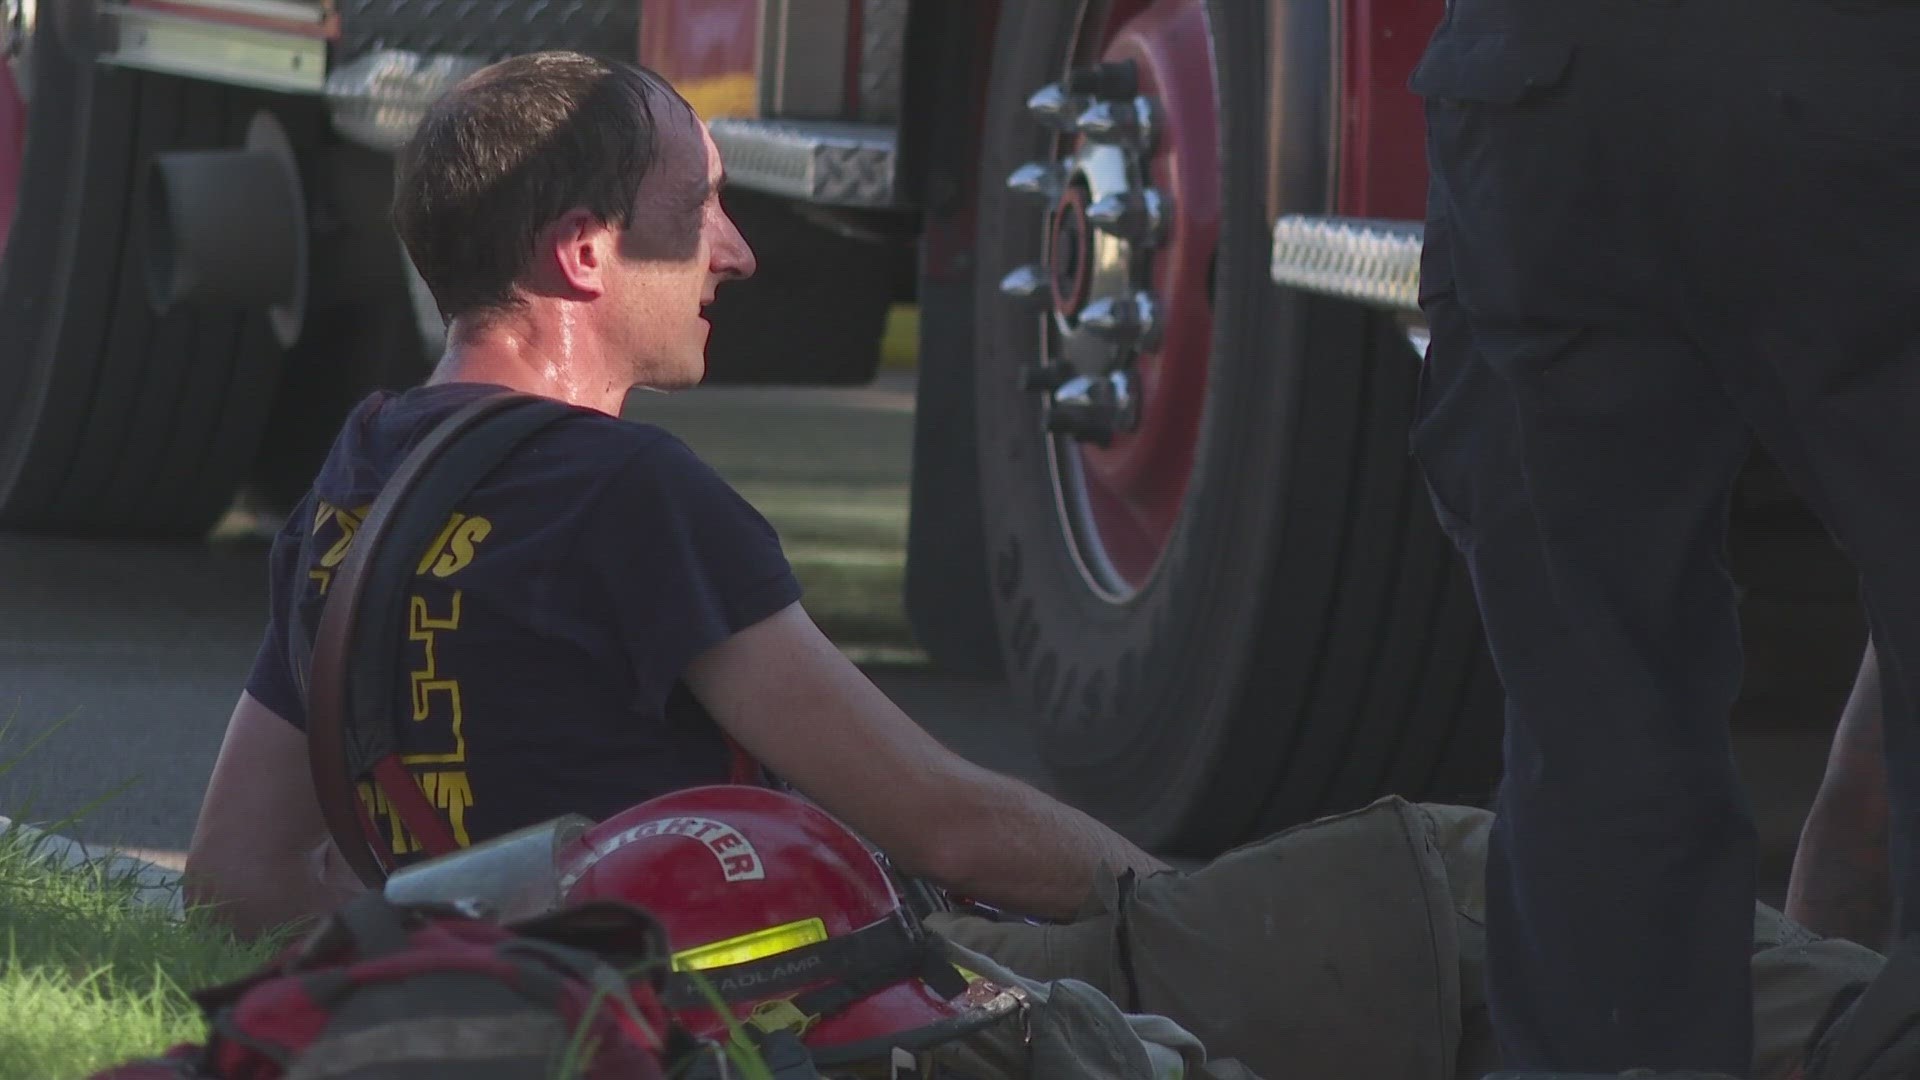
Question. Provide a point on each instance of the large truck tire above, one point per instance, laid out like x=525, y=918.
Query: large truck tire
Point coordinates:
x=945, y=589
x=1240, y=613
x=115, y=420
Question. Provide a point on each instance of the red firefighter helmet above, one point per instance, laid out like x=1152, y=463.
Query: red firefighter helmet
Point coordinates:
x=786, y=916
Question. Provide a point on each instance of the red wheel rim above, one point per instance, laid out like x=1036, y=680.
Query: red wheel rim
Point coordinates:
x=15, y=27
x=1121, y=503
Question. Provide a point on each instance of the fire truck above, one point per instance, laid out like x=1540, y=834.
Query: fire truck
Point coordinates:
x=1165, y=254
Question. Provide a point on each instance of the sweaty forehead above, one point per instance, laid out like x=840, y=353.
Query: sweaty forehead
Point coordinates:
x=669, y=207
x=683, y=155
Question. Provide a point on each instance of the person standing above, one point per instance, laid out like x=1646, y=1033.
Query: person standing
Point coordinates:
x=1656, y=230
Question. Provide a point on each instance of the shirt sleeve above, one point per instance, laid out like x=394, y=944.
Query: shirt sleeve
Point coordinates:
x=272, y=681
x=685, y=561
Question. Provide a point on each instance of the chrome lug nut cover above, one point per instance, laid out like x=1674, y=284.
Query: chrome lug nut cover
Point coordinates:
x=1102, y=221
x=1119, y=123
x=1094, y=408
x=1046, y=179
x=1137, y=216
x=1129, y=320
x=1055, y=108
x=1024, y=282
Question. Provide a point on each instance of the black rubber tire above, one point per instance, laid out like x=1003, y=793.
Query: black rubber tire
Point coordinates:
x=945, y=587
x=116, y=422
x=1309, y=642
x=947, y=600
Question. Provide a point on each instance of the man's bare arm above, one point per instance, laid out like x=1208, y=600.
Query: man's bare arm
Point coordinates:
x=1840, y=884
x=260, y=853
x=798, y=705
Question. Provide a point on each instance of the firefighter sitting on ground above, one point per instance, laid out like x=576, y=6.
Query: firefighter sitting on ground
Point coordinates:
x=604, y=612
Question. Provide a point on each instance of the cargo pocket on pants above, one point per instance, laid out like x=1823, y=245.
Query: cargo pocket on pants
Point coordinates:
x=1465, y=436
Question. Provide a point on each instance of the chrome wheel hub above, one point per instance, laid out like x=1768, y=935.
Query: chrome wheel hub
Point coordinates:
x=1104, y=222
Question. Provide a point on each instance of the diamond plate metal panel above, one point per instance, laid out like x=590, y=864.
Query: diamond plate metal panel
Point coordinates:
x=883, y=46
x=1373, y=262
x=490, y=29
x=833, y=163
x=378, y=99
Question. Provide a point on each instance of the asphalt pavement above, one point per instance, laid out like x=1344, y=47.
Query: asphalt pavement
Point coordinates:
x=120, y=661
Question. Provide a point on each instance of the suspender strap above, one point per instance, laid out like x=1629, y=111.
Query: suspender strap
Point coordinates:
x=350, y=691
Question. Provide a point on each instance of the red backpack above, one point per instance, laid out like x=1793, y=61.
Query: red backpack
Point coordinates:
x=430, y=992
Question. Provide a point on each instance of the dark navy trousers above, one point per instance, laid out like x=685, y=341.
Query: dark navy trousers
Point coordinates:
x=1656, y=230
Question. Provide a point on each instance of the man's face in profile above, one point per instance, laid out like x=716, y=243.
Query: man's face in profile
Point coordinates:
x=677, y=250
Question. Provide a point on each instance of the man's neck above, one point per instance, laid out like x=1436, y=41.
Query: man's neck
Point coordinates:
x=556, y=361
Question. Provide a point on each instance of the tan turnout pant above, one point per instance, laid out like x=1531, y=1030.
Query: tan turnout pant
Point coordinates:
x=1351, y=947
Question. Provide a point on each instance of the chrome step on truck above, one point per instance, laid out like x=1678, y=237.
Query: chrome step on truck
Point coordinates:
x=826, y=162
x=1372, y=262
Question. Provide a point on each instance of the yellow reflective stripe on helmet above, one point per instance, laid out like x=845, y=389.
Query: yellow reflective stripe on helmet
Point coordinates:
x=761, y=943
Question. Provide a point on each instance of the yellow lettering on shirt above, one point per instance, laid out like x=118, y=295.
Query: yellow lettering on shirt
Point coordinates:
x=435, y=694
x=439, y=544
x=450, y=792
x=427, y=681
x=454, y=550
x=451, y=552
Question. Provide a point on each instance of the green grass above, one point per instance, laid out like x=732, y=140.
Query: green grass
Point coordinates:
x=848, y=549
x=88, y=978
x=832, y=479
x=900, y=343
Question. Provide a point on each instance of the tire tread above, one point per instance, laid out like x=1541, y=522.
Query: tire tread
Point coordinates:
x=147, y=422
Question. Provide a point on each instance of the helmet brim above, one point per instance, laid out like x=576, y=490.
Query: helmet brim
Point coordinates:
x=909, y=1016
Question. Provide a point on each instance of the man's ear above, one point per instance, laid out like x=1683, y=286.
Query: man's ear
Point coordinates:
x=574, y=255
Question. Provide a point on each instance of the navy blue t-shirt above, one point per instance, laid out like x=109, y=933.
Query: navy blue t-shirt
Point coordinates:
x=549, y=623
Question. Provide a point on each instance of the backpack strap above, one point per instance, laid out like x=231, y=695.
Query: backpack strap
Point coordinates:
x=1888, y=1008
x=350, y=722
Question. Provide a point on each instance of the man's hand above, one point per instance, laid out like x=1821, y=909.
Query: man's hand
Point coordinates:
x=795, y=702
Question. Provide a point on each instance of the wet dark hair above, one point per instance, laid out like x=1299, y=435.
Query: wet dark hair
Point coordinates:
x=509, y=151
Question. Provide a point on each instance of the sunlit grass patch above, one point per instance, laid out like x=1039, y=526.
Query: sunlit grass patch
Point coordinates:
x=900, y=344
x=89, y=977
x=847, y=547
